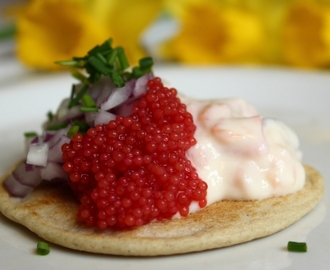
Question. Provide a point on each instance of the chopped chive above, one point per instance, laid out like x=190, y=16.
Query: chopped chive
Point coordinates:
x=50, y=116
x=74, y=101
x=83, y=127
x=30, y=134
x=43, y=248
x=88, y=101
x=122, y=58
x=105, y=46
x=117, y=79
x=94, y=77
x=89, y=109
x=68, y=63
x=73, y=131
x=297, y=246
x=107, y=53
x=146, y=63
x=84, y=58
x=73, y=88
x=93, y=50
x=98, y=65
x=127, y=76
x=57, y=126
x=107, y=43
x=80, y=77
x=137, y=72
x=101, y=58
x=112, y=57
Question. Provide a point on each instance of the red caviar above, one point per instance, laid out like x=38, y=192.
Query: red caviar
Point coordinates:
x=134, y=169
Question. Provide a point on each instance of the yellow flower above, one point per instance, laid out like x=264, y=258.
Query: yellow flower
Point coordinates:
x=56, y=30
x=306, y=35
x=211, y=34
x=52, y=30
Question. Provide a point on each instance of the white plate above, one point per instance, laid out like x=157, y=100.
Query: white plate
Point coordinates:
x=300, y=99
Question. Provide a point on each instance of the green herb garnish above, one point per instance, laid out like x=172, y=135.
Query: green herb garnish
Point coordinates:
x=99, y=65
x=123, y=62
x=88, y=109
x=75, y=100
x=88, y=101
x=50, y=116
x=73, y=131
x=103, y=60
x=146, y=64
x=57, y=126
x=83, y=127
x=297, y=246
x=79, y=76
x=43, y=248
x=30, y=134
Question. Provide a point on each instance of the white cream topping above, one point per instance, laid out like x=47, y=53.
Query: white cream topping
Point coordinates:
x=240, y=155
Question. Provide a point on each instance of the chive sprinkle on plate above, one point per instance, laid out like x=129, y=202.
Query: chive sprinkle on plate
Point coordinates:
x=43, y=248
x=297, y=246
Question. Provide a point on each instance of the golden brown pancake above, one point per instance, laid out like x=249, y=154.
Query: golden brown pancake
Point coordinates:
x=50, y=212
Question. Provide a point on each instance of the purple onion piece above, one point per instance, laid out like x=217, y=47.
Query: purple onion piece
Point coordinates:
x=37, y=154
x=15, y=188
x=106, y=90
x=125, y=109
x=55, y=144
x=54, y=172
x=117, y=97
x=64, y=114
x=90, y=118
x=141, y=84
x=27, y=175
x=22, y=181
x=95, y=90
x=139, y=88
x=104, y=117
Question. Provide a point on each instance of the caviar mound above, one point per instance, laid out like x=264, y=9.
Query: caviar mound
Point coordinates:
x=134, y=170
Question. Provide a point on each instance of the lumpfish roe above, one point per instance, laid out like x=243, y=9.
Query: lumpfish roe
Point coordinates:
x=134, y=170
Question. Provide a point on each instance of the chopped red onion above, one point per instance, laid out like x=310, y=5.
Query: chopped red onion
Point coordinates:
x=90, y=118
x=29, y=167
x=64, y=113
x=95, y=89
x=28, y=141
x=15, y=188
x=37, y=155
x=23, y=180
x=125, y=109
x=141, y=85
x=117, y=96
x=55, y=144
x=53, y=171
x=103, y=117
x=27, y=175
x=48, y=135
x=107, y=88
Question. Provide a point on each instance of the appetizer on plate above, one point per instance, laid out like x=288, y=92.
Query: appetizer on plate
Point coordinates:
x=127, y=166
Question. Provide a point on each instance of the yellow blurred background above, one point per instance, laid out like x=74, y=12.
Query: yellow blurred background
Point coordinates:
x=292, y=33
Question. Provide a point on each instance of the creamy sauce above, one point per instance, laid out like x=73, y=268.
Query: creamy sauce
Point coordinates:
x=240, y=154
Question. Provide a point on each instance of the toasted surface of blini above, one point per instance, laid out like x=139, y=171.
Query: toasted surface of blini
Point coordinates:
x=50, y=212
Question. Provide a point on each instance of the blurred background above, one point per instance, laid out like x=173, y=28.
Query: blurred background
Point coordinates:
x=280, y=33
